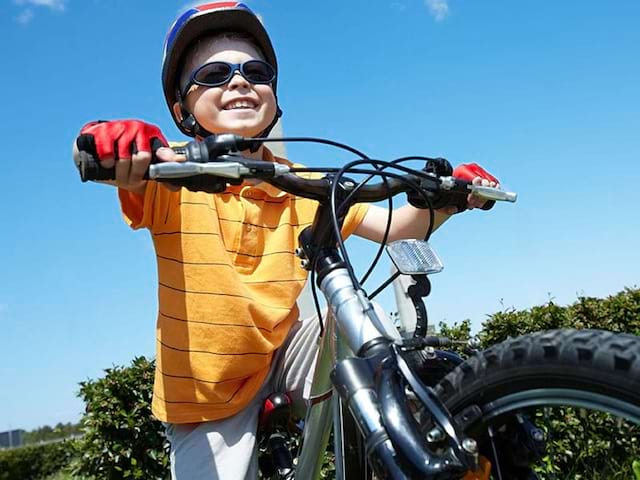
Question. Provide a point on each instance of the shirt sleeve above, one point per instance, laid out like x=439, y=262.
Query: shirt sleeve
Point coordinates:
x=354, y=218
x=151, y=210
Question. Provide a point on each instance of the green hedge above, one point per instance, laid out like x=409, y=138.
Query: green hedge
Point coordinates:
x=35, y=462
x=616, y=313
x=47, y=433
x=121, y=437
x=122, y=440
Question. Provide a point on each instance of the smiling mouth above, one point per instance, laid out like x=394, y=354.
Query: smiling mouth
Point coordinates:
x=240, y=105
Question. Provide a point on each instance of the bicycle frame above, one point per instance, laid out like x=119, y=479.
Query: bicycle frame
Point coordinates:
x=354, y=325
x=324, y=406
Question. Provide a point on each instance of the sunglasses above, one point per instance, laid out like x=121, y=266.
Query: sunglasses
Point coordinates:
x=215, y=74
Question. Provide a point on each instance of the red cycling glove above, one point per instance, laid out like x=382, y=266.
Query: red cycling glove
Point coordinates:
x=469, y=171
x=119, y=138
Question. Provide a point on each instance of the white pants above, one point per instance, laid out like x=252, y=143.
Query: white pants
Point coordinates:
x=226, y=449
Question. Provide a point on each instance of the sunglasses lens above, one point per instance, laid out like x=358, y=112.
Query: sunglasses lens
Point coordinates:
x=258, y=72
x=218, y=73
x=213, y=74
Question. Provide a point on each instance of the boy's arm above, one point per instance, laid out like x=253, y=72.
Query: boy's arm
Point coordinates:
x=411, y=222
x=406, y=222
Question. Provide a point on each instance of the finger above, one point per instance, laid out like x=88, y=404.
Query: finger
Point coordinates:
x=476, y=181
x=474, y=201
x=166, y=154
x=107, y=162
x=126, y=145
x=470, y=201
x=104, y=146
x=123, y=169
x=143, y=142
x=139, y=164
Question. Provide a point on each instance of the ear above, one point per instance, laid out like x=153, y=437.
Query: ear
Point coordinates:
x=177, y=112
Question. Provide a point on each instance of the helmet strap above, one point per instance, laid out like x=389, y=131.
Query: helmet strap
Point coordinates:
x=188, y=122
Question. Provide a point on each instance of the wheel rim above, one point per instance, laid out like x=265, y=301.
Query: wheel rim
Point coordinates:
x=584, y=408
x=561, y=397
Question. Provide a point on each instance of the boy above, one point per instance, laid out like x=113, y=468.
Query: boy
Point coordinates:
x=228, y=329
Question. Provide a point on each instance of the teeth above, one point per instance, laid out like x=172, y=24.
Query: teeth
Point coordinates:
x=240, y=104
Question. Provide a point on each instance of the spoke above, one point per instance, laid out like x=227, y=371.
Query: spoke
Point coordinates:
x=495, y=451
x=549, y=441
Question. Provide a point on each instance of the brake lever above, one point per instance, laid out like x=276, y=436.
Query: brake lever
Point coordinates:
x=215, y=147
x=482, y=191
x=227, y=166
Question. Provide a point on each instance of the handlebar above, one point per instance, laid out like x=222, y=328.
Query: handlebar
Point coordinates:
x=218, y=157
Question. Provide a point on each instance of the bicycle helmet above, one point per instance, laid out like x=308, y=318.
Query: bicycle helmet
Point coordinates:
x=200, y=21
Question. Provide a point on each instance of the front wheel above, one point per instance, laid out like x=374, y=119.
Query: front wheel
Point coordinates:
x=562, y=404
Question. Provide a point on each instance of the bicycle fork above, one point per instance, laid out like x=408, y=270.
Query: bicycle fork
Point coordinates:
x=356, y=326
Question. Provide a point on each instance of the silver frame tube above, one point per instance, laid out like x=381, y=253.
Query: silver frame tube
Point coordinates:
x=317, y=423
x=352, y=320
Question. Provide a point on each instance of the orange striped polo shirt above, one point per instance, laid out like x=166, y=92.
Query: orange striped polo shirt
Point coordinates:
x=228, y=284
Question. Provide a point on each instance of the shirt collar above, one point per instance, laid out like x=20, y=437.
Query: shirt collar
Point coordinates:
x=267, y=188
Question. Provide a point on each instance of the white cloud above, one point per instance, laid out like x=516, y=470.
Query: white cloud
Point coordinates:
x=52, y=4
x=27, y=13
x=398, y=6
x=439, y=9
x=25, y=17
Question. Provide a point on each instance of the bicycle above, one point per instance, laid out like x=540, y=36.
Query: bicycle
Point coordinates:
x=404, y=407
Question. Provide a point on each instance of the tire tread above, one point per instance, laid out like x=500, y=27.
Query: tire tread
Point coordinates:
x=594, y=357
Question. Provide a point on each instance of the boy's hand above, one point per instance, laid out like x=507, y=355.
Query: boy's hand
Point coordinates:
x=474, y=173
x=125, y=144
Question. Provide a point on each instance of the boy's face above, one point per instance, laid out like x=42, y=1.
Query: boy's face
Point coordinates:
x=238, y=106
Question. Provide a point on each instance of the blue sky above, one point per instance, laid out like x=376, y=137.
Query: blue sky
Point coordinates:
x=543, y=94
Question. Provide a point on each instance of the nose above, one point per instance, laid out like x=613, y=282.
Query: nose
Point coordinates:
x=238, y=81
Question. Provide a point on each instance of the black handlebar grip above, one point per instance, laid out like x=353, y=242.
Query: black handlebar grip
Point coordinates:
x=89, y=166
x=454, y=197
x=86, y=159
x=460, y=200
